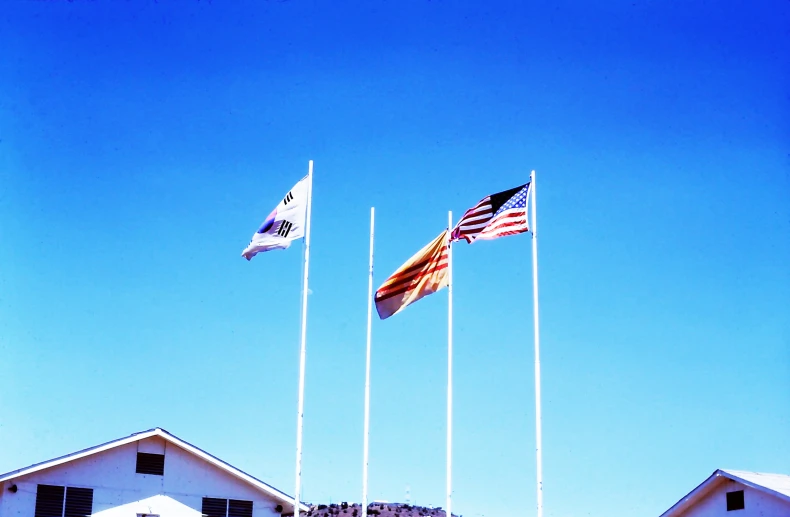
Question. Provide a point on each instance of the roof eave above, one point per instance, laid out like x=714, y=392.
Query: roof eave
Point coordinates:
x=690, y=498
x=230, y=469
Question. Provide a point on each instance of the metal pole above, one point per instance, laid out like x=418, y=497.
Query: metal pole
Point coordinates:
x=448, y=510
x=367, y=378
x=300, y=410
x=538, y=432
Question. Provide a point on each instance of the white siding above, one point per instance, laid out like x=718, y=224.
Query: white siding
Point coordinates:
x=119, y=492
x=757, y=504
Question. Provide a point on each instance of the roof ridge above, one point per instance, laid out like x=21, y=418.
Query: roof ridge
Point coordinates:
x=755, y=472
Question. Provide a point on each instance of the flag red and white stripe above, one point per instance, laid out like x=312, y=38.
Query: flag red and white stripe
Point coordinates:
x=497, y=215
x=423, y=274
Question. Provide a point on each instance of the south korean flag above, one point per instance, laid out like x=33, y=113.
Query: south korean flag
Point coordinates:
x=285, y=224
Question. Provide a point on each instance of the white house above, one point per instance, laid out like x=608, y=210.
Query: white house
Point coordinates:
x=735, y=493
x=147, y=474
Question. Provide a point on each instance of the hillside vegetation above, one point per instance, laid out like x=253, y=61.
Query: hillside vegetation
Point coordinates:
x=374, y=510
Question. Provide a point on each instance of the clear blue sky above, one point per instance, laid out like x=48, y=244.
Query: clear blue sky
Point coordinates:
x=141, y=144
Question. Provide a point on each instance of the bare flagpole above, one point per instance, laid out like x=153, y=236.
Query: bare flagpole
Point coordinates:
x=448, y=511
x=538, y=425
x=365, y=439
x=300, y=410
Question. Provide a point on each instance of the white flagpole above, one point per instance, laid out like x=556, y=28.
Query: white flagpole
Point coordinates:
x=538, y=432
x=448, y=510
x=367, y=379
x=300, y=410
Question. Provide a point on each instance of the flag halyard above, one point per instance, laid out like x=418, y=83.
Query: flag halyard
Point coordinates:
x=423, y=274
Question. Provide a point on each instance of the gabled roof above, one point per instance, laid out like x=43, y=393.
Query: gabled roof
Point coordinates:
x=230, y=469
x=777, y=485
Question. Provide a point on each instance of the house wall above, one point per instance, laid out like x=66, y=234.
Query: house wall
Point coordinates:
x=119, y=492
x=757, y=503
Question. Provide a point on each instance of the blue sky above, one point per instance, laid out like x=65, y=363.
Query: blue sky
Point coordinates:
x=141, y=144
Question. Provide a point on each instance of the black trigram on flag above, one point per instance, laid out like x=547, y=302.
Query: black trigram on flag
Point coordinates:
x=285, y=227
x=288, y=198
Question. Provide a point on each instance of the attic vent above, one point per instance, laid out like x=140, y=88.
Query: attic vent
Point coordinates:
x=734, y=501
x=213, y=507
x=148, y=463
x=51, y=499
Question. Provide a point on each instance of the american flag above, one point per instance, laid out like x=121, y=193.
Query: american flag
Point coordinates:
x=497, y=215
x=421, y=275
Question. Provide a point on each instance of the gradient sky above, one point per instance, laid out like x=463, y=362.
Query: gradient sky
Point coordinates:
x=142, y=143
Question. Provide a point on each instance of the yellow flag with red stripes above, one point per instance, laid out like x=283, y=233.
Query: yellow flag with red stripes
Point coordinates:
x=423, y=274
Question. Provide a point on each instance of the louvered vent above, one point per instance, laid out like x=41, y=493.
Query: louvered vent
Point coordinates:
x=213, y=507
x=238, y=508
x=148, y=463
x=79, y=502
x=49, y=501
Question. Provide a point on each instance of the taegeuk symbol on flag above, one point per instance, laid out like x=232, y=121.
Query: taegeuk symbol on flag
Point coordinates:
x=286, y=223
